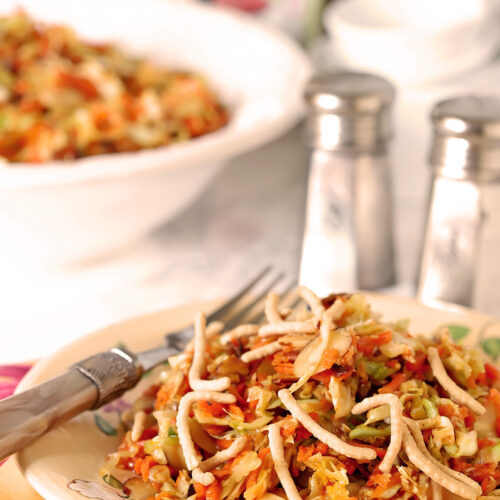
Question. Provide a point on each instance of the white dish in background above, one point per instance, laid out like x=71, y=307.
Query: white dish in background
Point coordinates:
x=68, y=211
x=77, y=449
x=412, y=42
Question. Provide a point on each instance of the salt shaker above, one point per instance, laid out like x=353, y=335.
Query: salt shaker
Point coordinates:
x=460, y=257
x=348, y=242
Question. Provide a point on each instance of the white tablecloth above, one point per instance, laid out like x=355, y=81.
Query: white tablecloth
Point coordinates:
x=251, y=215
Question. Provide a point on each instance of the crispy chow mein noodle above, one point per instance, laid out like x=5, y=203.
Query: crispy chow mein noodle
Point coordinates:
x=271, y=308
x=239, y=332
x=395, y=415
x=199, y=361
x=280, y=464
x=437, y=491
x=261, y=352
x=456, y=393
x=312, y=300
x=328, y=401
x=138, y=427
x=287, y=327
x=420, y=442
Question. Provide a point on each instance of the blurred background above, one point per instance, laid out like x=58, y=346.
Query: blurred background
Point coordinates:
x=126, y=229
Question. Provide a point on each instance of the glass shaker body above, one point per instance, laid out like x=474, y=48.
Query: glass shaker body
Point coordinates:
x=348, y=240
x=460, y=261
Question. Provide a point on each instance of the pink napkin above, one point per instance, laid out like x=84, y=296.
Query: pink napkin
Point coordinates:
x=10, y=376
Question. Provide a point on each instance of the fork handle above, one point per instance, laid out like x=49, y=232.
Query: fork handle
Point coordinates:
x=28, y=415
x=89, y=384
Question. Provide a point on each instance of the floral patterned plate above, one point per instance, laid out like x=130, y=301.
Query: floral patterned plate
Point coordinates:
x=64, y=464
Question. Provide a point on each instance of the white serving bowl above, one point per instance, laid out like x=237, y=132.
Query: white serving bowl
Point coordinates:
x=63, y=212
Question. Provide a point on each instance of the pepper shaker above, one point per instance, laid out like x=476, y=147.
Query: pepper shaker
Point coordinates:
x=348, y=241
x=460, y=257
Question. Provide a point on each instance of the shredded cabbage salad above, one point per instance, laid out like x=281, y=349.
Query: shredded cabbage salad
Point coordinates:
x=61, y=98
x=331, y=403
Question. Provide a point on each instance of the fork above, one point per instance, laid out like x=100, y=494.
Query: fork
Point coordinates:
x=103, y=377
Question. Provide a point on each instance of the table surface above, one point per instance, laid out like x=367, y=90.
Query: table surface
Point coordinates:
x=251, y=215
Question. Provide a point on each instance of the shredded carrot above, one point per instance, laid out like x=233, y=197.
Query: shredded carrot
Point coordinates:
x=394, y=384
x=446, y=410
x=263, y=452
x=492, y=372
x=442, y=350
x=163, y=396
x=350, y=465
x=224, y=471
x=223, y=444
x=252, y=478
x=308, y=451
x=324, y=405
x=392, y=363
x=253, y=404
x=211, y=408
x=302, y=433
x=305, y=452
x=494, y=397
x=237, y=460
x=419, y=366
x=236, y=410
x=284, y=369
x=466, y=416
x=321, y=448
x=471, y=382
x=137, y=466
x=214, y=429
x=482, y=379
x=384, y=482
x=214, y=491
x=236, y=393
x=287, y=431
x=484, y=442
x=323, y=377
x=249, y=416
x=146, y=464
x=200, y=490
x=368, y=344
x=330, y=356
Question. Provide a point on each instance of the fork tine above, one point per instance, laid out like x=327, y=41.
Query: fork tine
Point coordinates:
x=238, y=316
x=290, y=298
x=258, y=304
x=229, y=305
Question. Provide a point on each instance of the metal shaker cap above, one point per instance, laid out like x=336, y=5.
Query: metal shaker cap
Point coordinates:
x=349, y=111
x=466, y=143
